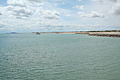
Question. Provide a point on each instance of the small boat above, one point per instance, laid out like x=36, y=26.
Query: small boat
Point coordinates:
x=37, y=33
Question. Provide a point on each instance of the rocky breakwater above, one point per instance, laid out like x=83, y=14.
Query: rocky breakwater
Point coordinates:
x=105, y=34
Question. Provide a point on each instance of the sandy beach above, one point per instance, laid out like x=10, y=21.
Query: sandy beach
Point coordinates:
x=109, y=33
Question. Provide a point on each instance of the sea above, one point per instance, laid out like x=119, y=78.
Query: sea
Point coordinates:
x=28, y=56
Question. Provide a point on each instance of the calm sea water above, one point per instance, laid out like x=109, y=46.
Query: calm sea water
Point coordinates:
x=59, y=57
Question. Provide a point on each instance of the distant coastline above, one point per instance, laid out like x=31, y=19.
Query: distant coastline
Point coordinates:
x=106, y=33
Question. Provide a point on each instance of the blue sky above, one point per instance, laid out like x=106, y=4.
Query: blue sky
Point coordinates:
x=59, y=15
x=3, y=2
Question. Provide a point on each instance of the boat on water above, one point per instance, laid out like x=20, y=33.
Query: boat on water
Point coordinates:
x=37, y=33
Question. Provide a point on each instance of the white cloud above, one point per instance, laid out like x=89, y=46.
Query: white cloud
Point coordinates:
x=26, y=8
x=21, y=3
x=24, y=14
x=42, y=14
x=116, y=9
x=114, y=0
x=108, y=7
x=51, y=14
x=103, y=1
x=17, y=11
x=81, y=7
x=92, y=14
x=80, y=0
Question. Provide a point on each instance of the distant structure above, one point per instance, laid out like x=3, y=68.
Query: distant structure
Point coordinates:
x=13, y=33
x=38, y=33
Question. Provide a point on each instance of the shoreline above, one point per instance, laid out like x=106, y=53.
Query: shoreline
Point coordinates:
x=107, y=33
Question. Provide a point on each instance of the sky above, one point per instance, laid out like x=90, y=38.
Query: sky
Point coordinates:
x=59, y=15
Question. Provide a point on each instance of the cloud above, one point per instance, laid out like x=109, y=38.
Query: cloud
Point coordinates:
x=28, y=15
x=81, y=7
x=80, y=0
x=37, y=0
x=102, y=1
x=21, y=3
x=25, y=8
x=107, y=7
x=51, y=14
x=39, y=14
x=1, y=26
x=18, y=11
x=92, y=14
x=116, y=9
x=114, y=0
